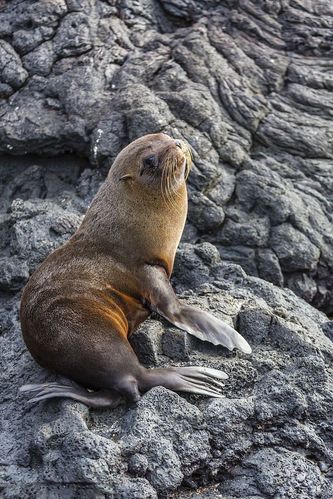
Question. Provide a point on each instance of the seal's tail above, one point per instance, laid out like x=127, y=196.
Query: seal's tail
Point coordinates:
x=193, y=379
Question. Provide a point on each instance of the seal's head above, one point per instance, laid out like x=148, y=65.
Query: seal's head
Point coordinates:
x=154, y=161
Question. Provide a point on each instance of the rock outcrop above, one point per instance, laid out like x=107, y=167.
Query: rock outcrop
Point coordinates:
x=247, y=83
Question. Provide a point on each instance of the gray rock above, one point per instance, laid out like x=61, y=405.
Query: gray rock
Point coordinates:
x=73, y=35
x=132, y=489
x=241, y=255
x=38, y=227
x=246, y=231
x=175, y=446
x=12, y=74
x=40, y=60
x=269, y=268
x=176, y=344
x=279, y=473
x=147, y=342
x=255, y=324
x=204, y=213
x=14, y=273
x=138, y=464
x=303, y=285
x=294, y=250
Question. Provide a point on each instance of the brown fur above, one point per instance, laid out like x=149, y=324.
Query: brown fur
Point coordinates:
x=88, y=296
x=85, y=300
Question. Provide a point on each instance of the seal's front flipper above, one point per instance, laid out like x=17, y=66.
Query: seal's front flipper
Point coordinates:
x=206, y=327
x=199, y=323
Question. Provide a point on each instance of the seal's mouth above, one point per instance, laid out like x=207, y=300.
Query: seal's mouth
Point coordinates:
x=187, y=152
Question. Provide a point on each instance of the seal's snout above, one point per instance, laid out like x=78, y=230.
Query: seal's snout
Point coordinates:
x=163, y=160
x=185, y=158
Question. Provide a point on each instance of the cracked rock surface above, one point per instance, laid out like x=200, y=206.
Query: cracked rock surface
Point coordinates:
x=275, y=420
x=249, y=85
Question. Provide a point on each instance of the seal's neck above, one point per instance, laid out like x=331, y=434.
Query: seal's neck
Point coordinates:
x=135, y=225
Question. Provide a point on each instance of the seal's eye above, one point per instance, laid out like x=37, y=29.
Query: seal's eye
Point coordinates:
x=151, y=161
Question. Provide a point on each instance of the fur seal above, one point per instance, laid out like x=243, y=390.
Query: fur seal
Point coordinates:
x=85, y=300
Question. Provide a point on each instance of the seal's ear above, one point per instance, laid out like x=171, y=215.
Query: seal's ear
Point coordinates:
x=125, y=177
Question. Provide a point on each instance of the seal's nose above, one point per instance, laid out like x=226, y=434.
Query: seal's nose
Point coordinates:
x=178, y=143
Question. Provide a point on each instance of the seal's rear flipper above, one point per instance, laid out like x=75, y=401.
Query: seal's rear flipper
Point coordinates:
x=44, y=391
x=206, y=327
x=193, y=379
x=199, y=380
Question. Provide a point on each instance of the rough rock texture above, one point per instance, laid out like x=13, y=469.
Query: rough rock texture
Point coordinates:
x=275, y=422
x=249, y=85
